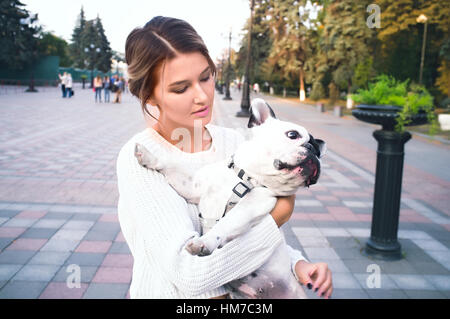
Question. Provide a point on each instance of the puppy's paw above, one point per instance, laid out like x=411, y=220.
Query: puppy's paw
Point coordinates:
x=197, y=247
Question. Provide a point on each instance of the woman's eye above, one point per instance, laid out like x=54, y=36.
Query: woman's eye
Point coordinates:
x=205, y=79
x=293, y=135
x=181, y=90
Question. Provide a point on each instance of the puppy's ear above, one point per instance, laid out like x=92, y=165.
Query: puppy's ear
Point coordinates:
x=319, y=145
x=260, y=111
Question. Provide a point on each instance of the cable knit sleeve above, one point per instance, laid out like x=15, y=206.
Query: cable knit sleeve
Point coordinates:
x=163, y=225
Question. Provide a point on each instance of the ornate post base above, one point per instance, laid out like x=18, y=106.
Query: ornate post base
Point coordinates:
x=383, y=242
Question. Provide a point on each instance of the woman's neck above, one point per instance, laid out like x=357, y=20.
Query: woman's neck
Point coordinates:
x=187, y=139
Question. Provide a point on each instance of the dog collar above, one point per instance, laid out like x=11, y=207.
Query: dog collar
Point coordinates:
x=240, y=189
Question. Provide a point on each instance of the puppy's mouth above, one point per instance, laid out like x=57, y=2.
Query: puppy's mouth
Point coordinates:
x=308, y=168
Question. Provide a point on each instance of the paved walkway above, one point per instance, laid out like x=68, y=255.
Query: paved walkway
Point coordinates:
x=58, y=196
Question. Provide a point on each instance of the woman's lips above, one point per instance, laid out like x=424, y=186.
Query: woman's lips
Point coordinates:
x=202, y=112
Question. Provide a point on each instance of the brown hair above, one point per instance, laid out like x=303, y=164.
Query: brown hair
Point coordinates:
x=147, y=48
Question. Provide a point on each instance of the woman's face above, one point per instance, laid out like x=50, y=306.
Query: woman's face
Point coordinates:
x=185, y=91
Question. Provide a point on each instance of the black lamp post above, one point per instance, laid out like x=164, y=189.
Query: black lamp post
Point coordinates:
x=227, y=78
x=92, y=49
x=422, y=19
x=245, y=102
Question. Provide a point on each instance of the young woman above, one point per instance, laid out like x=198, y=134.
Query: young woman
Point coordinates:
x=170, y=69
x=98, y=85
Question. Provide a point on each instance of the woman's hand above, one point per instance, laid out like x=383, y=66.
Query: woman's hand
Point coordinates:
x=315, y=276
x=283, y=209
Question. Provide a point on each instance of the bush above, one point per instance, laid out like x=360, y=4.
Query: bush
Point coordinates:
x=317, y=91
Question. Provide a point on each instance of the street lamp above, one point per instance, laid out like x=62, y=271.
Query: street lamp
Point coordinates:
x=92, y=49
x=227, y=79
x=245, y=102
x=422, y=19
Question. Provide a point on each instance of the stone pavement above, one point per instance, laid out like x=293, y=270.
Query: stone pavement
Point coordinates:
x=58, y=197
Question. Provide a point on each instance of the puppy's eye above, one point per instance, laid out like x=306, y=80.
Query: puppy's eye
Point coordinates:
x=293, y=135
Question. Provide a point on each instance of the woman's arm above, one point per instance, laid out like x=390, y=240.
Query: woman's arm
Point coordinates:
x=163, y=225
x=283, y=209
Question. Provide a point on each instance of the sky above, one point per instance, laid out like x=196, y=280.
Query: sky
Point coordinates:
x=211, y=18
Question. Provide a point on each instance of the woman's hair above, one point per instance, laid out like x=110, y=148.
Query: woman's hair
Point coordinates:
x=162, y=38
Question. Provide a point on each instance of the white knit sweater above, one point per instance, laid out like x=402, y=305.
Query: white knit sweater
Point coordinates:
x=156, y=223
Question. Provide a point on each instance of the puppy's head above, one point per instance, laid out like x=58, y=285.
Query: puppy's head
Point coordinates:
x=283, y=155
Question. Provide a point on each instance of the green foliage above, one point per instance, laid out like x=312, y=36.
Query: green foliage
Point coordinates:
x=90, y=46
x=388, y=91
x=317, y=91
x=19, y=34
x=50, y=44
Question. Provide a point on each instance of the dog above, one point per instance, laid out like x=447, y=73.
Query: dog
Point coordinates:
x=234, y=194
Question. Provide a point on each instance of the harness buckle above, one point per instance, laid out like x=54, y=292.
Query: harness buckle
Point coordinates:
x=242, y=191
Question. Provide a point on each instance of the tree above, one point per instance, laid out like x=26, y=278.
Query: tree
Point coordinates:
x=104, y=59
x=19, y=35
x=50, y=44
x=77, y=47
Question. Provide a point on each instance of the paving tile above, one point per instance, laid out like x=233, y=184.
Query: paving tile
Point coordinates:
x=425, y=294
x=36, y=273
x=49, y=223
x=118, y=260
x=111, y=218
x=57, y=215
x=29, y=214
x=78, y=225
x=16, y=256
x=349, y=294
x=56, y=244
x=106, y=291
x=27, y=244
x=386, y=294
x=314, y=242
x=85, y=216
x=336, y=265
x=112, y=275
x=429, y=268
x=367, y=281
x=439, y=281
x=8, y=213
x=86, y=259
x=3, y=220
x=119, y=248
x=11, y=232
x=86, y=273
x=39, y=233
x=59, y=290
x=91, y=246
x=5, y=242
x=412, y=282
x=345, y=281
x=316, y=254
x=49, y=258
x=22, y=289
x=8, y=271
x=306, y=232
x=69, y=234
x=19, y=222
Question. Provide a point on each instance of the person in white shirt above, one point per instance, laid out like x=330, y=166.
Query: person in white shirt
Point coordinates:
x=169, y=68
x=69, y=85
x=63, y=79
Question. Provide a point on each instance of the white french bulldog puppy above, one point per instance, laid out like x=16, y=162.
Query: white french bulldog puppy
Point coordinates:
x=235, y=194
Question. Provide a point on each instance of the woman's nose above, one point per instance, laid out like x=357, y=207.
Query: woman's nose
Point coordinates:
x=200, y=95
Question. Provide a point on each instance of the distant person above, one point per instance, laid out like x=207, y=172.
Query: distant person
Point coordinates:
x=119, y=89
x=63, y=79
x=98, y=83
x=69, y=83
x=106, y=88
x=256, y=88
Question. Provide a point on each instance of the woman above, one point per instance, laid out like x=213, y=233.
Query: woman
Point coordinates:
x=106, y=88
x=169, y=68
x=69, y=83
x=119, y=89
x=98, y=85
